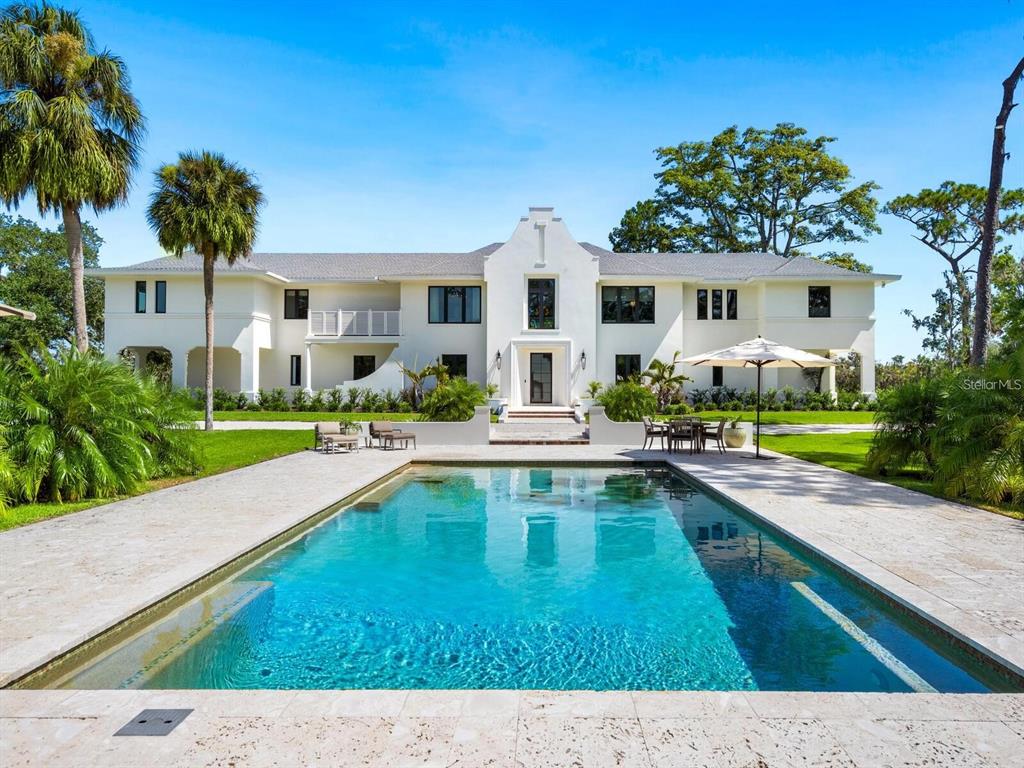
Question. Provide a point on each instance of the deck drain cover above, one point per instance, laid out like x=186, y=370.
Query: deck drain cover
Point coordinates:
x=154, y=722
x=366, y=506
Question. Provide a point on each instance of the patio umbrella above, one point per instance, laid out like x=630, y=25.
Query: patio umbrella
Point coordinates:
x=6, y=310
x=759, y=353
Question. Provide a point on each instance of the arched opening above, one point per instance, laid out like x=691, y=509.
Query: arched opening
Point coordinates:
x=227, y=369
x=157, y=362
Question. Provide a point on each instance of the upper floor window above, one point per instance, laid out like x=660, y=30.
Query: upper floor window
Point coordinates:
x=453, y=304
x=627, y=367
x=627, y=304
x=296, y=304
x=161, y=297
x=457, y=365
x=729, y=307
x=140, y=296
x=819, y=301
x=540, y=303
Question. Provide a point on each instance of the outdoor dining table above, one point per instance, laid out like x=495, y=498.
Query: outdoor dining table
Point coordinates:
x=690, y=428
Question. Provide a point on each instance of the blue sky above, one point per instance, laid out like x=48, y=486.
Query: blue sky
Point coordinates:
x=433, y=126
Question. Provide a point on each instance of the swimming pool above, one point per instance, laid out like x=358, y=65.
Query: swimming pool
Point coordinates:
x=540, y=578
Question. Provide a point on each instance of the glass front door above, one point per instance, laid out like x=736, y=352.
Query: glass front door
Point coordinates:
x=540, y=377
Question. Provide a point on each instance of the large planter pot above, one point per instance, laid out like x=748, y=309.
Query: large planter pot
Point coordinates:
x=735, y=438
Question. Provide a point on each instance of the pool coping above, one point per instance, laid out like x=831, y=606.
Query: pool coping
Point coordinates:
x=59, y=665
x=609, y=456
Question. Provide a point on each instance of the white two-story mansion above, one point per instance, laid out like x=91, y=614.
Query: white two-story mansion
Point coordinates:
x=539, y=315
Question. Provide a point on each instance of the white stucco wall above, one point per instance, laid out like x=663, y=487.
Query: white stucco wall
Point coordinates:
x=540, y=247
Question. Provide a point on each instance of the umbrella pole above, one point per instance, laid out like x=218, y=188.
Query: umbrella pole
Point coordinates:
x=759, y=410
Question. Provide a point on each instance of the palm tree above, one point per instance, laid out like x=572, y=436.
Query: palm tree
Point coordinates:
x=663, y=379
x=69, y=126
x=211, y=206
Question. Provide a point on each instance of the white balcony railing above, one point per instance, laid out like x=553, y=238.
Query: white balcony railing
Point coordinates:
x=355, y=322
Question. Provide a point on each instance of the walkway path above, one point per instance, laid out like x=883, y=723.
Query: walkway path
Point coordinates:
x=64, y=580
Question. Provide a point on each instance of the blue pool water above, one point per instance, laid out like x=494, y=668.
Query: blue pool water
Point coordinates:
x=564, y=578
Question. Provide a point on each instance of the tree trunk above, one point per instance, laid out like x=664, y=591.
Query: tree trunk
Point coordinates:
x=983, y=292
x=208, y=259
x=76, y=261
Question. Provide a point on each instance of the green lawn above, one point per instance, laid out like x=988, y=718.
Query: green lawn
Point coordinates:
x=222, y=451
x=848, y=453
x=794, y=417
x=306, y=416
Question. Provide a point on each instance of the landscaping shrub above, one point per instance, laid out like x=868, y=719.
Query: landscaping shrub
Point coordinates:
x=906, y=418
x=274, y=400
x=454, y=400
x=628, y=401
x=335, y=399
x=318, y=402
x=77, y=426
x=678, y=409
x=300, y=400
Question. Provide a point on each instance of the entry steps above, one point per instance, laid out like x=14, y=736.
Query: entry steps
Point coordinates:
x=545, y=413
x=542, y=431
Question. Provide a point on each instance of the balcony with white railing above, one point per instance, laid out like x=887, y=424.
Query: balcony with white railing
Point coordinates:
x=343, y=323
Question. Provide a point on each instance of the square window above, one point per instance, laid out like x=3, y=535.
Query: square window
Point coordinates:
x=819, y=301
x=453, y=304
x=458, y=365
x=296, y=304
x=363, y=365
x=627, y=304
x=627, y=367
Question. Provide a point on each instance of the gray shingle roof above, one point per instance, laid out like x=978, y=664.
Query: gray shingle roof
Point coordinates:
x=301, y=267
x=713, y=266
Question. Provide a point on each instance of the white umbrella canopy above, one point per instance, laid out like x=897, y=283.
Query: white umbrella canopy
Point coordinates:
x=759, y=353
x=6, y=310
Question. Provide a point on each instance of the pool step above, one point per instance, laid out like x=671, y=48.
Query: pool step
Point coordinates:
x=538, y=432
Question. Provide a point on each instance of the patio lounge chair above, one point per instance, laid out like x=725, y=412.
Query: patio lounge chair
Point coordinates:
x=379, y=430
x=653, y=430
x=328, y=435
x=715, y=433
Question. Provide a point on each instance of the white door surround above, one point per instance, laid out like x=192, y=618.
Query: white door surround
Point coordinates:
x=560, y=350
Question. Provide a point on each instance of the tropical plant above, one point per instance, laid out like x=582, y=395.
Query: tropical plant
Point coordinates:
x=491, y=389
x=454, y=400
x=78, y=426
x=417, y=380
x=662, y=378
x=211, y=206
x=69, y=126
x=594, y=389
x=978, y=438
x=906, y=418
x=628, y=401
x=335, y=399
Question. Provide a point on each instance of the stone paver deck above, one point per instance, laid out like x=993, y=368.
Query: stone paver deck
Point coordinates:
x=62, y=581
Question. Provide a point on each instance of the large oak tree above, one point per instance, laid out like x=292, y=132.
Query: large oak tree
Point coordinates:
x=765, y=190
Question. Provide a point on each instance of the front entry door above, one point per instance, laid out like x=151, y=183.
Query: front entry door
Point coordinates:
x=540, y=378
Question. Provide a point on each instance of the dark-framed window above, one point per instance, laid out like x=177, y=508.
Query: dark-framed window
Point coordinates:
x=627, y=304
x=453, y=304
x=295, y=372
x=363, y=365
x=717, y=372
x=296, y=304
x=540, y=303
x=161, y=297
x=702, y=303
x=458, y=365
x=140, y=296
x=716, y=304
x=627, y=367
x=731, y=304
x=819, y=301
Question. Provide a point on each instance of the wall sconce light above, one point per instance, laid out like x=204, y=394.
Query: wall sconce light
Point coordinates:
x=497, y=359
x=583, y=359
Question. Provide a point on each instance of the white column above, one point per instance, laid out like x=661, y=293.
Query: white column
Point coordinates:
x=867, y=372
x=828, y=380
x=179, y=368
x=308, y=373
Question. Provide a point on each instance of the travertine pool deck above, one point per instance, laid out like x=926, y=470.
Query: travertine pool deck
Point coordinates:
x=63, y=581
